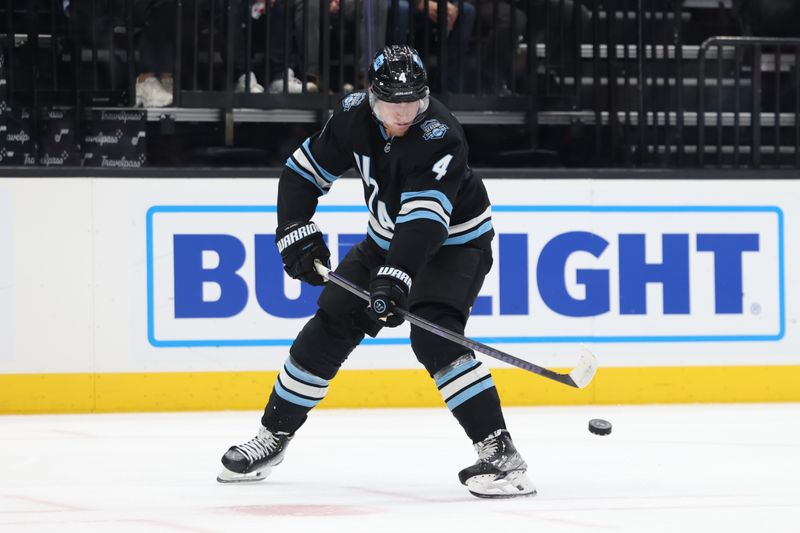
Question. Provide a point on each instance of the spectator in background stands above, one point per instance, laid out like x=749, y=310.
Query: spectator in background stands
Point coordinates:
x=245, y=78
x=499, y=43
x=154, y=43
x=460, y=25
x=308, y=12
x=246, y=81
x=156, y=46
x=561, y=30
x=372, y=31
x=769, y=18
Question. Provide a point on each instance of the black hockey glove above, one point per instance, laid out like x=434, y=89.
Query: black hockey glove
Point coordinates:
x=300, y=243
x=389, y=288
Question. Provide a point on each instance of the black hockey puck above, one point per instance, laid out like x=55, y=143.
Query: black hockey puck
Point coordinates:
x=598, y=426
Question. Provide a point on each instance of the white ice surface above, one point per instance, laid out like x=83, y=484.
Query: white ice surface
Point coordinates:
x=705, y=468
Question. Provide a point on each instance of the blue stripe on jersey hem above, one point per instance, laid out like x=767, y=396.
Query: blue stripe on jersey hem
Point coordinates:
x=303, y=375
x=293, y=398
x=330, y=178
x=474, y=234
x=465, y=395
x=457, y=370
x=383, y=243
x=291, y=164
x=430, y=193
x=421, y=214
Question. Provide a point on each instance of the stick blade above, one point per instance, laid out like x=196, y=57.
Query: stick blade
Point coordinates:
x=584, y=372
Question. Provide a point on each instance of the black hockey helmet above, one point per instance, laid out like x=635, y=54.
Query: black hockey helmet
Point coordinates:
x=398, y=75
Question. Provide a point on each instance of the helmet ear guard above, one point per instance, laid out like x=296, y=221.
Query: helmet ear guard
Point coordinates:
x=424, y=103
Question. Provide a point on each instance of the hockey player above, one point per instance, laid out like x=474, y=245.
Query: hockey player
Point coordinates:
x=427, y=250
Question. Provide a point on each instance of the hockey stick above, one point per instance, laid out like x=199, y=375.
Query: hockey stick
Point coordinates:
x=578, y=377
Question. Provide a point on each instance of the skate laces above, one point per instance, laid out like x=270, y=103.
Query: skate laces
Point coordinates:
x=259, y=446
x=488, y=447
x=498, y=451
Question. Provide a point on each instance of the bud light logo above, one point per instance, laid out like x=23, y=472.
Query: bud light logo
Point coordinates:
x=561, y=274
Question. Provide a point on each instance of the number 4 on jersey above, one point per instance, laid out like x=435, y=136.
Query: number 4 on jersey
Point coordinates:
x=440, y=167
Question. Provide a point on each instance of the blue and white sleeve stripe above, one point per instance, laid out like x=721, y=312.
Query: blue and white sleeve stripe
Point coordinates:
x=383, y=243
x=327, y=176
x=302, y=161
x=471, y=229
x=437, y=195
x=430, y=204
x=294, y=166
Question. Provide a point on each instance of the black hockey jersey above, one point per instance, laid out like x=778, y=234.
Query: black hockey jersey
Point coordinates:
x=419, y=189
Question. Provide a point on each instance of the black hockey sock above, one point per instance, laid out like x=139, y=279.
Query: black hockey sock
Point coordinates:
x=481, y=415
x=295, y=393
x=280, y=415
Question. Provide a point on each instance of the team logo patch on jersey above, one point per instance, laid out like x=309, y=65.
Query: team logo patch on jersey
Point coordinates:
x=433, y=129
x=352, y=100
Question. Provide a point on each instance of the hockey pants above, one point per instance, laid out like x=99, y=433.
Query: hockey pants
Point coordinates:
x=443, y=292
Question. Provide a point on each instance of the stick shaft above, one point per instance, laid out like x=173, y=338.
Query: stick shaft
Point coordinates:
x=418, y=321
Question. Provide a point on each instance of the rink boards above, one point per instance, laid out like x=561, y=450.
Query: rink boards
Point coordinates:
x=168, y=294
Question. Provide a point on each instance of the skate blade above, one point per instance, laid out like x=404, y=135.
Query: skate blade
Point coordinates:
x=226, y=476
x=513, y=485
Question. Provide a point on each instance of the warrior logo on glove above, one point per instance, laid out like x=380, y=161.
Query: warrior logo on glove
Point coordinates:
x=300, y=244
x=388, y=289
x=379, y=306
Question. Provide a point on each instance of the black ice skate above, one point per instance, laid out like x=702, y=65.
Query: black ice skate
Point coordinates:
x=499, y=471
x=253, y=460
